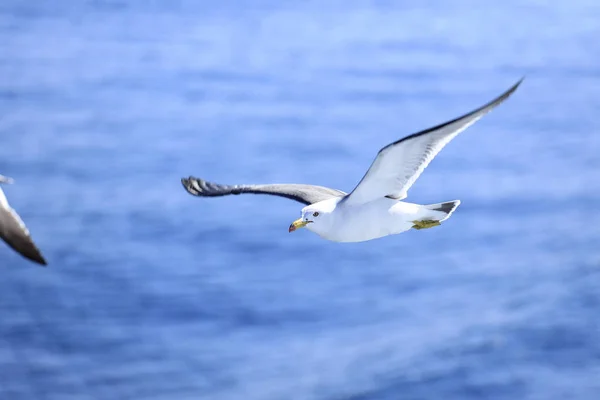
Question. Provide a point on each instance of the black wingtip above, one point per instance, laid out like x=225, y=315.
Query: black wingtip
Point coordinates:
x=41, y=262
x=505, y=95
x=188, y=185
x=516, y=85
x=35, y=256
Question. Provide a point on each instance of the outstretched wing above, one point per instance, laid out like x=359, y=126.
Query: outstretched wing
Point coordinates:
x=14, y=232
x=306, y=194
x=399, y=164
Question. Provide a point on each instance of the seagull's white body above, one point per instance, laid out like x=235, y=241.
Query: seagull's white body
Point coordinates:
x=374, y=208
x=359, y=223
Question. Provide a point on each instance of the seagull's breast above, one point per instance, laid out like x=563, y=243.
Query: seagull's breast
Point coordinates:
x=359, y=223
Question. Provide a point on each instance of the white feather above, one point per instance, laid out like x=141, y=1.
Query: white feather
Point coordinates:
x=399, y=164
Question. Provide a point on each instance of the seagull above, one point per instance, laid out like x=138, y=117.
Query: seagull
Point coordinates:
x=14, y=232
x=374, y=208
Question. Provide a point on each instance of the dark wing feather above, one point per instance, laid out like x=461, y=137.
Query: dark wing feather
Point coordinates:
x=305, y=194
x=16, y=235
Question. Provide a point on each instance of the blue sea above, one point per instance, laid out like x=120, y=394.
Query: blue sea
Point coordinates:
x=151, y=293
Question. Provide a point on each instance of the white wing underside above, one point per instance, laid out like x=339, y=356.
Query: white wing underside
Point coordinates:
x=399, y=164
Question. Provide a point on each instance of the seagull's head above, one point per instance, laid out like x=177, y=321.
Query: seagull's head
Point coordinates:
x=316, y=217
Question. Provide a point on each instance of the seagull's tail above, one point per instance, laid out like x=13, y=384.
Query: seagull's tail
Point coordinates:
x=447, y=208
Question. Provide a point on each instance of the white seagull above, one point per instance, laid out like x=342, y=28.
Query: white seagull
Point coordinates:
x=374, y=208
x=14, y=232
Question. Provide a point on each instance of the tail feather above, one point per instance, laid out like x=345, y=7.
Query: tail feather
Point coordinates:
x=447, y=207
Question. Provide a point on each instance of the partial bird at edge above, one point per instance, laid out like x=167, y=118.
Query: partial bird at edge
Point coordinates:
x=13, y=230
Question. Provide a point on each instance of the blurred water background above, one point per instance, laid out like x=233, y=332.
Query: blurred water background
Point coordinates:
x=154, y=294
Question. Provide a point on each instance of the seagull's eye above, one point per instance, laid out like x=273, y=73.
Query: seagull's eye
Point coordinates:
x=315, y=214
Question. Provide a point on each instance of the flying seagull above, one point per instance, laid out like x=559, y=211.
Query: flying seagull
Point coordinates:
x=13, y=230
x=374, y=208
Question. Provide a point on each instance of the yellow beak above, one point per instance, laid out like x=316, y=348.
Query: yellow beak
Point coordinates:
x=299, y=223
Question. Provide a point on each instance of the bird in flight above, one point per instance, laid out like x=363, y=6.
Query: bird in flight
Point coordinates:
x=374, y=208
x=14, y=232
